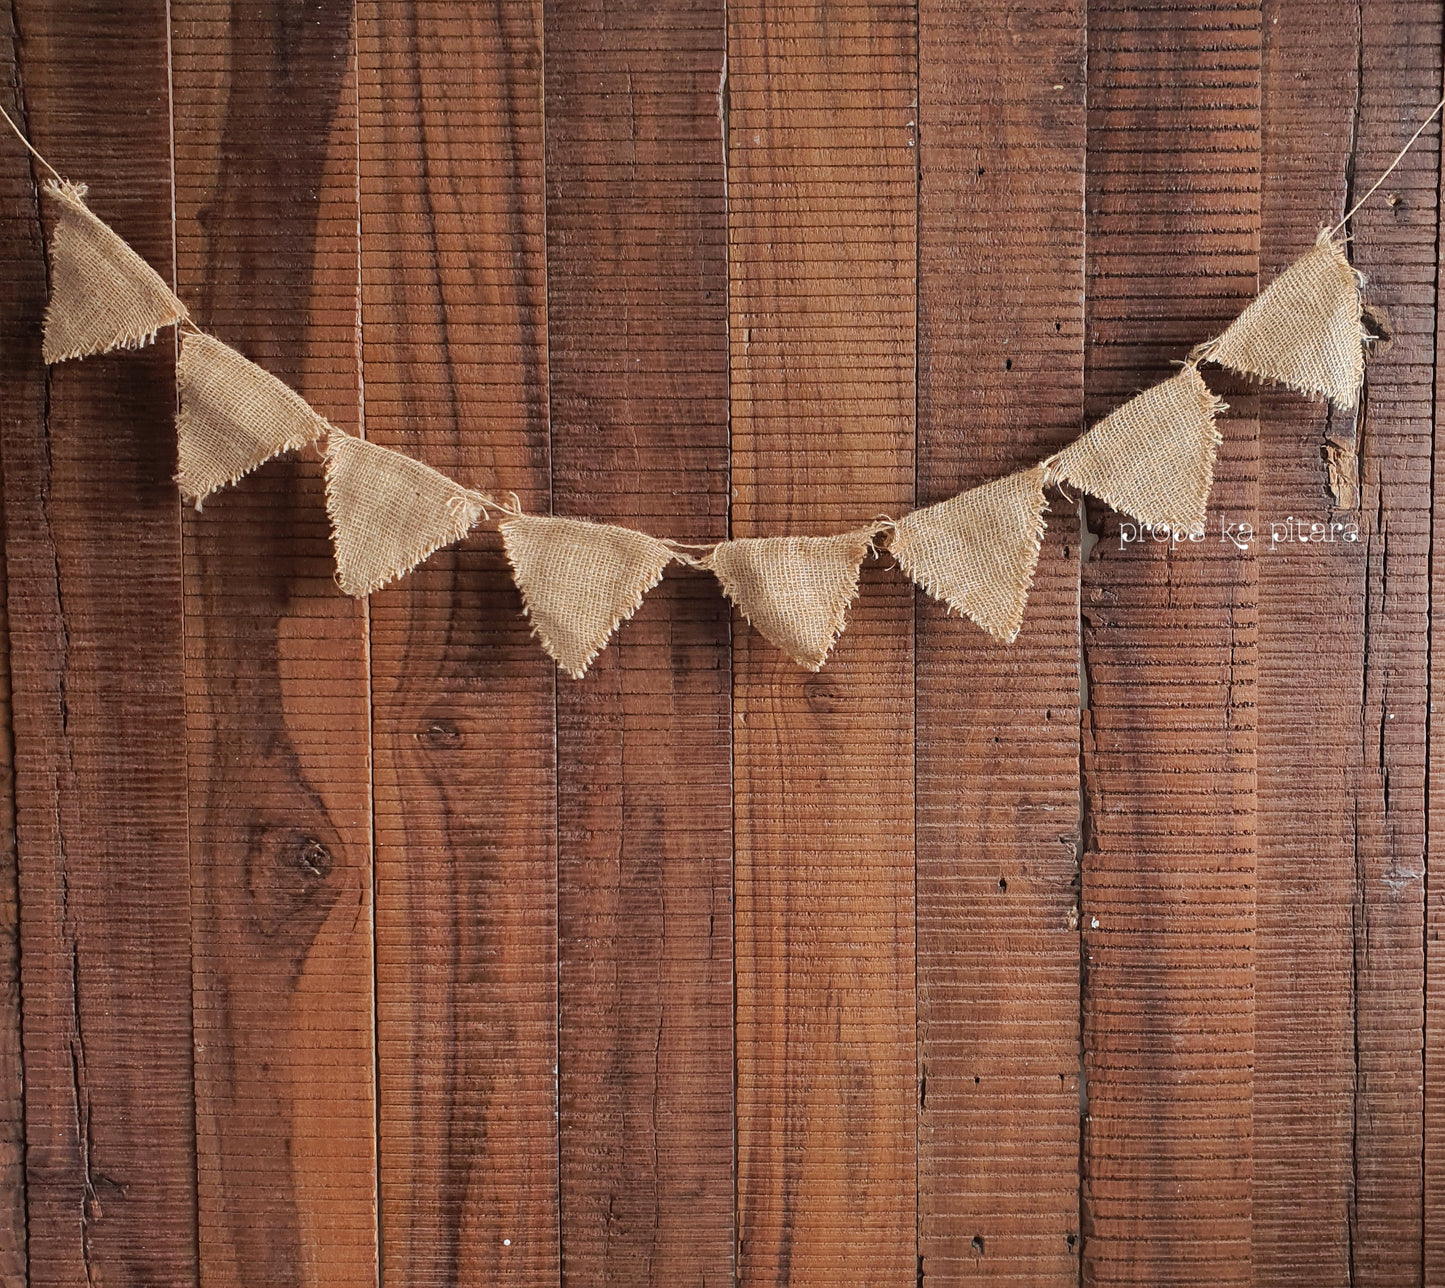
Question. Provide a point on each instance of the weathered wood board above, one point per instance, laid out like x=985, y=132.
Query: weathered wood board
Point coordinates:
x=345, y=942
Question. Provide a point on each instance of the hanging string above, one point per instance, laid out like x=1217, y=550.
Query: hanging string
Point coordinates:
x=33, y=152
x=1399, y=156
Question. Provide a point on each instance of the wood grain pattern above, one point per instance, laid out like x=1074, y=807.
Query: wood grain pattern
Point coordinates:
x=1151, y=997
x=21, y=388
x=1433, y=1154
x=637, y=318
x=276, y=678
x=1394, y=245
x=1310, y=625
x=1000, y=385
x=454, y=304
x=1169, y=653
x=92, y=562
x=822, y=112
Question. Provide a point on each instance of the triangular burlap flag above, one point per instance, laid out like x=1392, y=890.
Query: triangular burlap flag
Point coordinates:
x=103, y=295
x=580, y=581
x=234, y=416
x=1305, y=330
x=1153, y=458
x=388, y=512
x=794, y=590
x=977, y=551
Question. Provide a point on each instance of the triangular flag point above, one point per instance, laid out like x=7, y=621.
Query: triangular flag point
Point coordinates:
x=388, y=512
x=233, y=417
x=795, y=591
x=1305, y=330
x=1152, y=458
x=103, y=295
x=977, y=551
x=580, y=581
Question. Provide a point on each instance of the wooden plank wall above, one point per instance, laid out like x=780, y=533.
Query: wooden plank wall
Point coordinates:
x=345, y=943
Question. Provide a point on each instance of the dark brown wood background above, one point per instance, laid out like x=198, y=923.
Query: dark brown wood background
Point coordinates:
x=344, y=939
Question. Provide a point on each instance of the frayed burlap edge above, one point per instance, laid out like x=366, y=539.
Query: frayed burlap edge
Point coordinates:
x=1206, y=352
x=838, y=623
x=541, y=637
x=1209, y=406
x=322, y=427
x=465, y=508
x=1033, y=548
x=72, y=196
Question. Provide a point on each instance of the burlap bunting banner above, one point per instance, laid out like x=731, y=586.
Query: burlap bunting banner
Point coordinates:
x=1153, y=458
x=580, y=581
x=794, y=590
x=103, y=295
x=1305, y=331
x=977, y=551
x=233, y=417
x=388, y=512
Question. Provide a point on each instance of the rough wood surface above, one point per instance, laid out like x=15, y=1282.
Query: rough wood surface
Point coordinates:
x=1310, y=622
x=637, y=320
x=1433, y=1155
x=822, y=135
x=93, y=571
x=276, y=681
x=1395, y=246
x=1000, y=386
x=454, y=303
x=1169, y=660
x=20, y=387
x=1108, y=957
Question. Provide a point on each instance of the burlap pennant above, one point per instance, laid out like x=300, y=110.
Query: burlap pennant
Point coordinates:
x=580, y=581
x=794, y=590
x=977, y=551
x=234, y=417
x=1305, y=330
x=1153, y=458
x=103, y=295
x=388, y=512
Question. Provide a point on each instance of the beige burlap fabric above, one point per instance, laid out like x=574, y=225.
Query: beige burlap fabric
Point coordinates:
x=794, y=590
x=234, y=416
x=1305, y=330
x=1153, y=458
x=103, y=295
x=580, y=581
x=388, y=512
x=977, y=551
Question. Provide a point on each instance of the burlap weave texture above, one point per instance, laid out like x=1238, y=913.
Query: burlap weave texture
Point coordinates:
x=1153, y=458
x=1305, y=330
x=234, y=416
x=388, y=512
x=794, y=590
x=580, y=581
x=977, y=551
x=103, y=295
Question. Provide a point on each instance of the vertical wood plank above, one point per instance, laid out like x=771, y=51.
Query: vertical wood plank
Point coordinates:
x=822, y=207
x=277, y=696
x=1394, y=245
x=637, y=317
x=92, y=558
x=13, y=1270
x=1169, y=653
x=1311, y=638
x=1433, y=1161
x=22, y=295
x=1000, y=385
x=454, y=309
